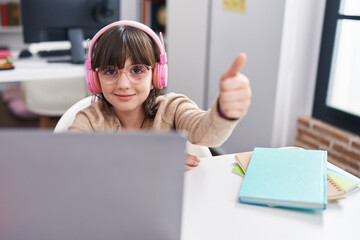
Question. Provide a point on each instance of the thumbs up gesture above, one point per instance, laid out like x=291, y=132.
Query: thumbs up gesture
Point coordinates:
x=235, y=91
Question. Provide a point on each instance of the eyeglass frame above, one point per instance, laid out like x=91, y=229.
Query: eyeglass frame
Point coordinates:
x=124, y=70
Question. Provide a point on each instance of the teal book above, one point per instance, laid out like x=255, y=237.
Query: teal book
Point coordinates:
x=293, y=178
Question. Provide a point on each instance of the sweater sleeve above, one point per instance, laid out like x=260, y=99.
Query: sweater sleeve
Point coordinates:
x=205, y=128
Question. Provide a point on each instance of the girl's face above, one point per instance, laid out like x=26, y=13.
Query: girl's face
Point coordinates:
x=126, y=92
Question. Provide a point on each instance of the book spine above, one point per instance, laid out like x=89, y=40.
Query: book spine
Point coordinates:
x=16, y=13
x=324, y=153
x=13, y=14
x=9, y=9
x=4, y=18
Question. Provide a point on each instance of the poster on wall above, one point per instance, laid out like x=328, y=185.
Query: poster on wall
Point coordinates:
x=238, y=6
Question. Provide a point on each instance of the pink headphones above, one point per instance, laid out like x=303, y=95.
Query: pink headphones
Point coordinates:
x=160, y=72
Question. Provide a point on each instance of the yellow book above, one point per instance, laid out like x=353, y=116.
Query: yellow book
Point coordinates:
x=334, y=191
x=345, y=183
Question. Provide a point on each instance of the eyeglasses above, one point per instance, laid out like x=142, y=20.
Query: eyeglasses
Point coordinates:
x=136, y=73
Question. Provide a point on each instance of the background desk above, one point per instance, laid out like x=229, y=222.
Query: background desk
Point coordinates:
x=35, y=68
x=49, y=89
x=212, y=211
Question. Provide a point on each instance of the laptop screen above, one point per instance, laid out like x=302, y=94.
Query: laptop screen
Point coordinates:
x=91, y=185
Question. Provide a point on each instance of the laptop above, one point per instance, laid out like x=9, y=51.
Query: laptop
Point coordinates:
x=90, y=185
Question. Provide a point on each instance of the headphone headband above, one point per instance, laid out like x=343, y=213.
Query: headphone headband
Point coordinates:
x=159, y=42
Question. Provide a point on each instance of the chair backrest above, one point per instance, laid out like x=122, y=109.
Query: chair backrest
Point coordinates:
x=68, y=117
x=52, y=98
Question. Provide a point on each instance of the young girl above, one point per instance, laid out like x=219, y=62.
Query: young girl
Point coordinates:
x=126, y=70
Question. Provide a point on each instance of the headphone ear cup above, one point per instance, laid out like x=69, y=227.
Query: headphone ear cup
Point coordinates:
x=88, y=81
x=95, y=82
x=164, y=75
x=160, y=75
x=92, y=82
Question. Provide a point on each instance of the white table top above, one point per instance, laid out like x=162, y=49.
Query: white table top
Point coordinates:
x=211, y=210
x=35, y=68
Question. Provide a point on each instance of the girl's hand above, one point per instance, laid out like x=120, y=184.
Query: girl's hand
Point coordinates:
x=191, y=161
x=235, y=91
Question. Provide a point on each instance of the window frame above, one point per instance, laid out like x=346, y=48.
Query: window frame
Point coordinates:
x=321, y=111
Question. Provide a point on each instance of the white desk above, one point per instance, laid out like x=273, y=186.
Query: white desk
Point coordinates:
x=35, y=68
x=211, y=210
x=49, y=88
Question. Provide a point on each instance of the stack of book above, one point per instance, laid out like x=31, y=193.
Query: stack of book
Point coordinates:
x=5, y=59
x=294, y=178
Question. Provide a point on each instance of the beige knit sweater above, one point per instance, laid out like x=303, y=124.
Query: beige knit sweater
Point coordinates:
x=176, y=111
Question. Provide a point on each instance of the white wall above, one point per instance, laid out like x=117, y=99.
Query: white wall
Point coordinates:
x=130, y=10
x=12, y=38
x=187, y=47
x=258, y=33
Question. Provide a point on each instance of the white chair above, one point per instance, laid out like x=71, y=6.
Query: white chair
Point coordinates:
x=52, y=98
x=68, y=117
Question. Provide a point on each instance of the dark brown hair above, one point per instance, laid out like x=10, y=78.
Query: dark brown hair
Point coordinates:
x=119, y=43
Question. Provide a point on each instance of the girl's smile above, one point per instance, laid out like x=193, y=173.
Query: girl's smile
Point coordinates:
x=125, y=97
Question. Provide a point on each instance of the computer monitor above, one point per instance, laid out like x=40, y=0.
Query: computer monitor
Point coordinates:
x=73, y=20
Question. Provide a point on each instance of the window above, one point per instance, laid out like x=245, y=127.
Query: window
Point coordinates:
x=337, y=93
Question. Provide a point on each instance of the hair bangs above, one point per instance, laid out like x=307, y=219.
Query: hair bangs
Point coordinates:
x=140, y=46
x=113, y=50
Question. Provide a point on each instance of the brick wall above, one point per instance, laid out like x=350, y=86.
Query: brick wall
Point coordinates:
x=343, y=148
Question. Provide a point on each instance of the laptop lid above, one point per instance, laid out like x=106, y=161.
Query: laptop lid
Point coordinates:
x=90, y=185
